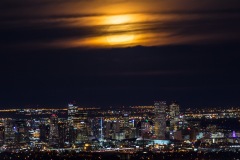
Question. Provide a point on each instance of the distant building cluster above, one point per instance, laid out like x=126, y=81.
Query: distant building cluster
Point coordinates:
x=160, y=127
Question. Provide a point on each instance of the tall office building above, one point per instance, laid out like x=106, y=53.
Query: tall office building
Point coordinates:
x=174, y=116
x=174, y=109
x=72, y=111
x=94, y=127
x=77, y=124
x=81, y=123
x=43, y=133
x=71, y=135
x=21, y=132
x=172, y=119
x=9, y=132
x=133, y=131
x=1, y=135
x=54, y=134
x=160, y=119
x=62, y=130
x=107, y=129
x=71, y=131
x=145, y=128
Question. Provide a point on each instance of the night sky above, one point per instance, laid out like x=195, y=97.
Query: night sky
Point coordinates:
x=119, y=52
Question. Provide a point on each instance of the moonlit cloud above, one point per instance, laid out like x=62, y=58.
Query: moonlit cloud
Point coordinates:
x=100, y=24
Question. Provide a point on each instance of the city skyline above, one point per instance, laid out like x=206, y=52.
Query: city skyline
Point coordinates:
x=119, y=53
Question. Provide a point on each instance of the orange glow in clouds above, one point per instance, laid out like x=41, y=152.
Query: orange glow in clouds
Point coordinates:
x=118, y=19
x=119, y=33
x=119, y=39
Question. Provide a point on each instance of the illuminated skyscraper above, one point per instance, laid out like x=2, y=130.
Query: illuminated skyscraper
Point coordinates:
x=62, y=130
x=174, y=116
x=1, y=135
x=80, y=122
x=133, y=132
x=160, y=119
x=9, y=132
x=145, y=128
x=72, y=111
x=174, y=110
x=77, y=118
x=54, y=135
x=174, y=120
x=21, y=132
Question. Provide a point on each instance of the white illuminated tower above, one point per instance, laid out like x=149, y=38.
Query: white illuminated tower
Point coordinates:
x=174, y=110
x=72, y=111
x=174, y=113
x=160, y=119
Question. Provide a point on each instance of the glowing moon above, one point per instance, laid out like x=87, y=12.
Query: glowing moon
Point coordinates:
x=118, y=19
x=119, y=32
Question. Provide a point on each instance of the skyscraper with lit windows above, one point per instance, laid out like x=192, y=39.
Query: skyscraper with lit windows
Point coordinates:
x=160, y=119
x=54, y=134
x=72, y=111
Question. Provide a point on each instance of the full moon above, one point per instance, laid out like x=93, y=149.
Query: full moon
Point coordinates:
x=120, y=31
x=118, y=19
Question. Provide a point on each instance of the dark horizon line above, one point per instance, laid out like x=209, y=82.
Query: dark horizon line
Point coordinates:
x=32, y=106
